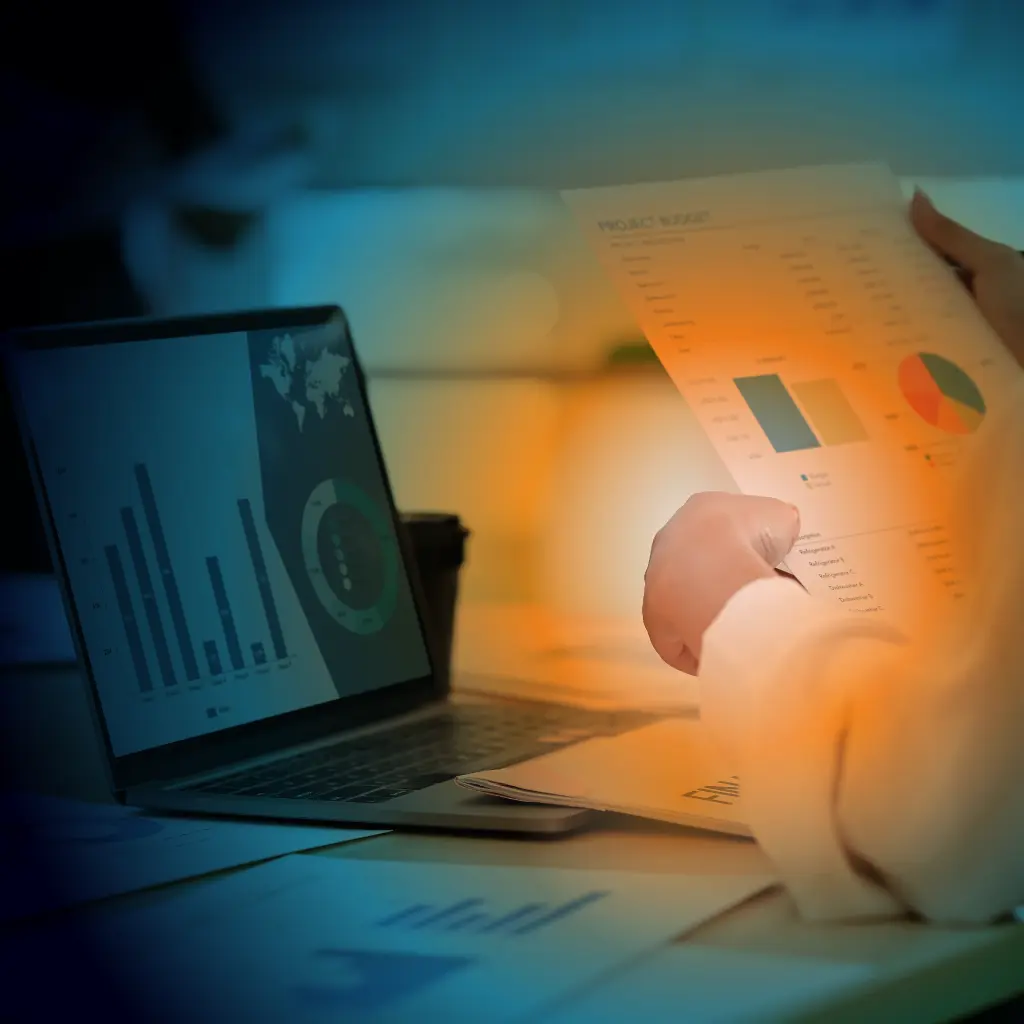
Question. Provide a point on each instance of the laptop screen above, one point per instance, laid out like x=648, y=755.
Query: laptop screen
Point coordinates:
x=226, y=526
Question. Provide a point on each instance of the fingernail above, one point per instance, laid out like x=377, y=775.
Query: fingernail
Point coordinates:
x=921, y=196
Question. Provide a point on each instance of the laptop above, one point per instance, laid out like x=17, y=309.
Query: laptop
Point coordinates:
x=243, y=599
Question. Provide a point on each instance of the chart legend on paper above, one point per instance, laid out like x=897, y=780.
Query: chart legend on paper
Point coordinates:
x=941, y=393
x=472, y=916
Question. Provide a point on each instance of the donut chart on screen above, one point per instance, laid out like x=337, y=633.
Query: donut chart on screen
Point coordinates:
x=941, y=393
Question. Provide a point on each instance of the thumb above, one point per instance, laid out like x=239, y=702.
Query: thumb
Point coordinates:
x=971, y=250
x=772, y=526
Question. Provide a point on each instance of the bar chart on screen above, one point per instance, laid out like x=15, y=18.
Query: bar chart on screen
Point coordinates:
x=179, y=593
x=158, y=589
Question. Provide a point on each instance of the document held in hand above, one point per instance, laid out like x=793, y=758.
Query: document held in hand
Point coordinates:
x=668, y=771
x=834, y=361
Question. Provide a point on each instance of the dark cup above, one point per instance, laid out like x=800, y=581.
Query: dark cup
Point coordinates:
x=438, y=543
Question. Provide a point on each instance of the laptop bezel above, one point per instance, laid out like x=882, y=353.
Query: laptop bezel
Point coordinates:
x=221, y=749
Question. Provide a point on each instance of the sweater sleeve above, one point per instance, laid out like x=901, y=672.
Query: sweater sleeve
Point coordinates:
x=881, y=769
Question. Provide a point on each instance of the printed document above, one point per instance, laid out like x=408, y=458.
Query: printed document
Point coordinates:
x=668, y=771
x=310, y=938
x=833, y=359
x=57, y=852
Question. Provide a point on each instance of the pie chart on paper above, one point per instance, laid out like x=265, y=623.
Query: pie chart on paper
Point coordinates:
x=941, y=393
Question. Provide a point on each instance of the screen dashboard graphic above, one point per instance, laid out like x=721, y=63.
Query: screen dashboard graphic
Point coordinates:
x=225, y=527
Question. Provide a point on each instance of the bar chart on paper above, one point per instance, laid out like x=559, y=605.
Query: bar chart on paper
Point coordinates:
x=776, y=413
x=807, y=414
x=473, y=916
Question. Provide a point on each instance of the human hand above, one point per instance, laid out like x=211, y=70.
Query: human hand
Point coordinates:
x=711, y=548
x=995, y=272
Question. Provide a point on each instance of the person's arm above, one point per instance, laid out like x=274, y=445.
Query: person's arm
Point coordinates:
x=880, y=771
x=882, y=775
x=949, y=837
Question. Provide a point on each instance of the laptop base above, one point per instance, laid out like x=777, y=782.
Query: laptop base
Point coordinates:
x=445, y=806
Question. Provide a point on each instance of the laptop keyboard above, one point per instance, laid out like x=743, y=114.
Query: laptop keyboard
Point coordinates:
x=407, y=758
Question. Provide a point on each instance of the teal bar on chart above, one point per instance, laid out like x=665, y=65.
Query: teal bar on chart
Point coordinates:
x=776, y=412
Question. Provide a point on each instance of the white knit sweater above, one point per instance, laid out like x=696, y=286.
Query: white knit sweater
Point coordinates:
x=884, y=770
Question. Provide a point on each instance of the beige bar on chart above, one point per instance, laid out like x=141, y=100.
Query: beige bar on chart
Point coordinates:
x=832, y=417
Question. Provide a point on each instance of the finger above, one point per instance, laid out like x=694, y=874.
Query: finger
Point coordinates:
x=673, y=652
x=665, y=639
x=686, y=662
x=971, y=250
x=772, y=526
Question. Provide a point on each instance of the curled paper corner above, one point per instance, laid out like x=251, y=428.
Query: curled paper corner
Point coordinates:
x=528, y=780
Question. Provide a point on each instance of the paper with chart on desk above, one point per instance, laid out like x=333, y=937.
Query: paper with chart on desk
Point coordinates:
x=56, y=853
x=321, y=939
x=669, y=771
x=834, y=361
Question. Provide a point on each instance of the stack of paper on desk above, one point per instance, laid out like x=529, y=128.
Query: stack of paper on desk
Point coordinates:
x=533, y=653
x=319, y=939
x=669, y=771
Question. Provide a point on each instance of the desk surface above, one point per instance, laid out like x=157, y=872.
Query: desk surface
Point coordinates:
x=912, y=973
x=915, y=973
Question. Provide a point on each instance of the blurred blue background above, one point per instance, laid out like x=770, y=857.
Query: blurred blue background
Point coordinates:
x=403, y=158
